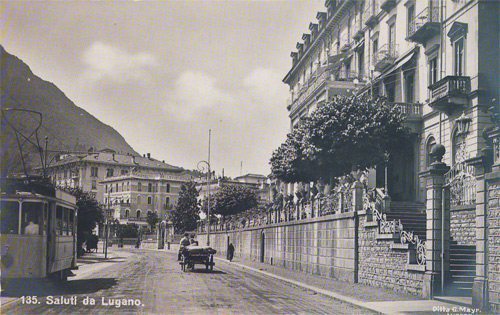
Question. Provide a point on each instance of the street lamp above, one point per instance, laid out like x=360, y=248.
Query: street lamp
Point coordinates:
x=463, y=124
x=205, y=166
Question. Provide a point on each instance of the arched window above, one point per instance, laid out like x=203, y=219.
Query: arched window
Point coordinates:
x=431, y=142
x=127, y=213
x=138, y=214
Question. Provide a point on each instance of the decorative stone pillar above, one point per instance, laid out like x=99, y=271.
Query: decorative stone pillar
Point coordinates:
x=435, y=181
x=357, y=196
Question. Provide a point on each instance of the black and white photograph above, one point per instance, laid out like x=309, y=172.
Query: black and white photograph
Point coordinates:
x=250, y=157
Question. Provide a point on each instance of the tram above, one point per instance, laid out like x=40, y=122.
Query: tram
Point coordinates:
x=38, y=229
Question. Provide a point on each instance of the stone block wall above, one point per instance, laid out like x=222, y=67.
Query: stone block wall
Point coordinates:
x=493, y=259
x=322, y=246
x=383, y=266
x=463, y=226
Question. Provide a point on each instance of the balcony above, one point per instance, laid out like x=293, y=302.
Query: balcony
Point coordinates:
x=387, y=5
x=358, y=31
x=450, y=93
x=424, y=26
x=370, y=14
x=385, y=56
x=347, y=76
x=345, y=43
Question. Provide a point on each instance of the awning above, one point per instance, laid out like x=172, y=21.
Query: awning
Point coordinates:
x=405, y=63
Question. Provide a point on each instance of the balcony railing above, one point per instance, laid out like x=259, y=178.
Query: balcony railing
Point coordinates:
x=410, y=110
x=347, y=76
x=345, y=42
x=370, y=14
x=425, y=25
x=385, y=56
x=450, y=92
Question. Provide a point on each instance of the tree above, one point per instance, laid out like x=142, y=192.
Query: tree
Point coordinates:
x=152, y=219
x=127, y=231
x=187, y=211
x=233, y=199
x=90, y=214
x=345, y=134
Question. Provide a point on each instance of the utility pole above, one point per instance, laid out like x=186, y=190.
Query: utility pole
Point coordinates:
x=209, y=173
x=106, y=229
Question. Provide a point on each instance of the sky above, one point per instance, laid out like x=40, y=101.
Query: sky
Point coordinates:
x=162, y=73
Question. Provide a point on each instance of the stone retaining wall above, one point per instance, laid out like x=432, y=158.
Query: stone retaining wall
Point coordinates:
x=322, y=246
x=381, y=264
x=463, y=226
x=493, y=227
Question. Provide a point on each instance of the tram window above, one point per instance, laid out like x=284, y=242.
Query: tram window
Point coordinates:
x=10, y=217
x=45, y=217
x=59, y=219
x=65, y=222
x=31, y=218
x=71, y=218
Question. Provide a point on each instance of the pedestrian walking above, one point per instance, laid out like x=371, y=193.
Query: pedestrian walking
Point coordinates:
x=230, y=252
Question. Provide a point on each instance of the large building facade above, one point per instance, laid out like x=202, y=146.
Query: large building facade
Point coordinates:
x=131, y=197
x=438, y=61
x=88, y=170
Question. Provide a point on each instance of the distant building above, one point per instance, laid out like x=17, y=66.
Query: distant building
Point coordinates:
x=87, y=170
x=131, y=197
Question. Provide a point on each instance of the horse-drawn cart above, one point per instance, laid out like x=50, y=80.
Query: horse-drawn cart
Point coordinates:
x=192, y=255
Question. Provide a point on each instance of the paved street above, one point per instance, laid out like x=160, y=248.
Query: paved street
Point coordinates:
x=153, y=282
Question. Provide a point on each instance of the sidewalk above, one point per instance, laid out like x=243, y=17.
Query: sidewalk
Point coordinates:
x=374, y=299
x=88, y=264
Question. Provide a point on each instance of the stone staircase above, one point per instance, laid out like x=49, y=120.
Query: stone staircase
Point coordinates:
x=462, y=269
x=412, y=216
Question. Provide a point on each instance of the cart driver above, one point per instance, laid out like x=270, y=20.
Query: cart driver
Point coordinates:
x=192, y=240
x=183, y=243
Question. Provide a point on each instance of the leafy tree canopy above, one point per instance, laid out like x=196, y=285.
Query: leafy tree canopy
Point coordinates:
x=152, y=219
x=90, y=213
x=187, y=210
x=339, y=136
x=233, y=199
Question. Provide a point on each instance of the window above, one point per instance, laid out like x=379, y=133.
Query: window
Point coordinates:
x=32, y=218
x=433, y=71
x=361, y=63
x=392, y=38
x=59, y=220
x=139, y=186
x=127, y=213
x=9, y=217
x=410, y=87
x=94, y=171
x=94, y=184
x=150, y=187
x=167, y=202
x=390, y=89
x=375, y=47
x=168, y=188
x=123, y=172
x=150, y=200
x=430, y=144
x=65, y=173
x=459, y=62
x=116, y=186
x=109, y=172
x=138, y=214
x=411, y=19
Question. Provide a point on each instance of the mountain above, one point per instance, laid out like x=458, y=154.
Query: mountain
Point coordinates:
x=67, y=126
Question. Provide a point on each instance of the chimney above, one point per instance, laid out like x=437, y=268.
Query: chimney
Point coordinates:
x=144, y=155
x=149, y=155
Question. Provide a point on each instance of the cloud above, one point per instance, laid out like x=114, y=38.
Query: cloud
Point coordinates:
x=106, y=62
x=194, y=93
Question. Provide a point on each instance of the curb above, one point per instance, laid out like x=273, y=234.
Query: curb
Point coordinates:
x=331, y=294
